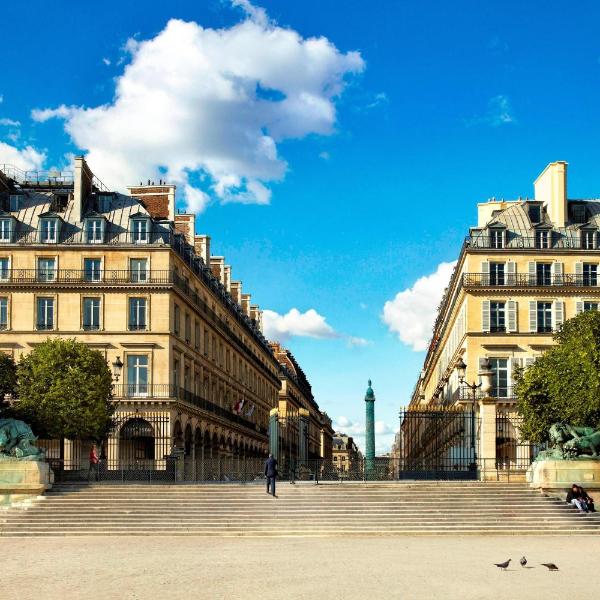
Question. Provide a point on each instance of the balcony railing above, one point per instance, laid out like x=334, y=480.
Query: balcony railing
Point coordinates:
x=519, y=242
x=500, y=393
x=527, y=280
x=150, y=391
x=87, y=276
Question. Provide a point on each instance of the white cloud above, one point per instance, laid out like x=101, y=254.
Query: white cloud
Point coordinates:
x=294, y=323
x=354, y=342
x=213, y=103
x=499, y=112
x=9, y=123
x=378, y=100
x=412, y=312
x=106, y=61
x=26, y=159
x=384, y=433
x=324, y=155
x=1, y=98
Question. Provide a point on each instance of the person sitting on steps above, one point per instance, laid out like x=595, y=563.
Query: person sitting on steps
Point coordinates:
x=576, y=498
x=589, y=501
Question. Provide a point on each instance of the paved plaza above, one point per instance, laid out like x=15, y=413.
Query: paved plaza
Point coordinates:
x=363, y=568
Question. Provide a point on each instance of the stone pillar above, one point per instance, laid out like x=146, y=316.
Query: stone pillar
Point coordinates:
x=370, y=432
x=274, y=433
x=487, y=443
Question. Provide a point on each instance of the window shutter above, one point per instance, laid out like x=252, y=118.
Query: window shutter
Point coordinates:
x=529, y=360
x=511, y=272
x=532, y=316
x=532, y=277
x=558, y=314
x=557, y=273
x=504, y=238
x=579, y=273
x=485, y=272
x=511, y=306
x=578, y=307
x=485, y=315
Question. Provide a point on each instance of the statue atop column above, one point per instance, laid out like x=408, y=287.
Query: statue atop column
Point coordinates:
x=370, y=432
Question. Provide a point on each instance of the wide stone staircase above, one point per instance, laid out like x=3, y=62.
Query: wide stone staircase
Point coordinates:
x=304, y=509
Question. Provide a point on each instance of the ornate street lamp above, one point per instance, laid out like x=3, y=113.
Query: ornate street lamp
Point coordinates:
x=485, y=374
x=117, y=366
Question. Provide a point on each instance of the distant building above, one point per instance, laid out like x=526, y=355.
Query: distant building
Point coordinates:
x=346, y=455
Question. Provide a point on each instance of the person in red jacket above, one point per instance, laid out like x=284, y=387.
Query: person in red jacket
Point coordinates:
x=94, y=463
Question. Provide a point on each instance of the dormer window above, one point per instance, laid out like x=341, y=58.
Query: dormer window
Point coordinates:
x=140, y=230
x=497, y=238
x=15, y=202
x=535, y=213
x=59, y=202
x=542, y=239
x=104, y=202
x=578, y=213
x=49, y=231
x=6, y=230
x=588, y=239
x=94, y=231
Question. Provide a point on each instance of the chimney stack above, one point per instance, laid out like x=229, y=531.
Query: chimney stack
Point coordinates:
x=217, y=266
x=236, y=291
x=186, y=224
x=202, y=248
x=551, y=189
x=158, y=200
x=82, y=186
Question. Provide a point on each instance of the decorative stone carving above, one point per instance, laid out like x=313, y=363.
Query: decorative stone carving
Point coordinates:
x=17, y=441
x=568, y=442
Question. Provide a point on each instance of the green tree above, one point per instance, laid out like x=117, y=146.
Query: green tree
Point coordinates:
x=8, y=376
x=564, y=383
x=65, y=390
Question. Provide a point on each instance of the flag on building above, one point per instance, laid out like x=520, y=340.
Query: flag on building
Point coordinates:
x=250, y=411
x=237, y=409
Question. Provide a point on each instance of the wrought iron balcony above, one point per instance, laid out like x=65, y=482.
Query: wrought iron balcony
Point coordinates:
x=151, y=391
x=528, y=280
x=515, y=241
x=47, y=276
x=500, y=393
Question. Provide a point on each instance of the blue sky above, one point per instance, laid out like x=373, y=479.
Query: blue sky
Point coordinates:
x=415, y=112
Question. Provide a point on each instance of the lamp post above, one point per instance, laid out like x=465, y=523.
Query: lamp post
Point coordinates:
x=117, y=366
x=485, y=373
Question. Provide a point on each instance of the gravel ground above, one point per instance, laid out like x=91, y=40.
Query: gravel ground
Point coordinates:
x=367, y=568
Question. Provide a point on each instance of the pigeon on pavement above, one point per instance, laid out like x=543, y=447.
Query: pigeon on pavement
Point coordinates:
x=503, y=565
x=550, y=566
x=523, y=561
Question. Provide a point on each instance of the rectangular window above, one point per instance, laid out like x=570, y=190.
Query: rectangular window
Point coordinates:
x=4, y=269
x=49, y=231
x=497, y=238
x=197, y=336
x=104, y=203
x=590, y=274
x=188, y=328
x=3, y=313
x=140, y=231
x=500, y=377
x=139, y=269
x=588, y=240
x=497, y=316
x=45, y=313
x=543, y=272
x=542, y=239
x=176, y=318
x=92, y=269
x=137, y=314
x=46, y=270
x=137, y=375
x=91, y=314
x=587, y=306
x=5, y=230
x=15, y=202
x=535, y=213
x=544, y=317
x=94, y=231
x=206, y=342
x=496, y=273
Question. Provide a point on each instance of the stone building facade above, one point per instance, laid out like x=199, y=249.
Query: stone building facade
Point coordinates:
x=528, y=265
x=346, y=455
x=129, y=277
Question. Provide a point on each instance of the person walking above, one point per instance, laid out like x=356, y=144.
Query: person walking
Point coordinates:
x=94, y=463
x=271, y=474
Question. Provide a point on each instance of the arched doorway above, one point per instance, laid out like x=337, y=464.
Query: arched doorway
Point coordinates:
x=136, y=443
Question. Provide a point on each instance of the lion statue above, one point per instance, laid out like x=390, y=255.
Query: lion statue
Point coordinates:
x=17, y=440
x=568, y=441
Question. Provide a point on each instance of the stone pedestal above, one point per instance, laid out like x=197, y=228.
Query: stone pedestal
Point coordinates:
x=555, y=477
x=22, y=480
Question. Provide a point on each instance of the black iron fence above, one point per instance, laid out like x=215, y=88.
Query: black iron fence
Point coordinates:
x=85, y=276
x=529, y=280
x=514, y=240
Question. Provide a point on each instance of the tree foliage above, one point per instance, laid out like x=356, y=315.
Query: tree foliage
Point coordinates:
x=564, y=383
x=8, y=376
x=65, y=390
